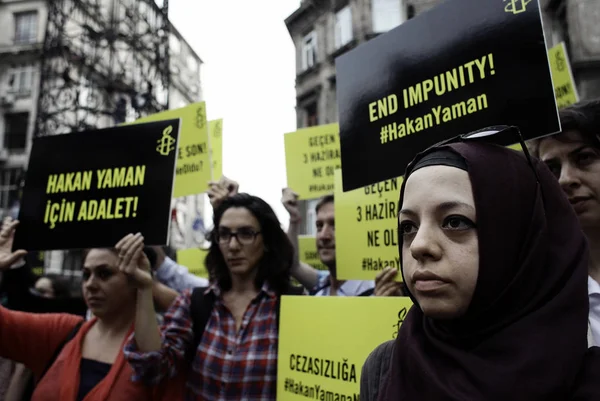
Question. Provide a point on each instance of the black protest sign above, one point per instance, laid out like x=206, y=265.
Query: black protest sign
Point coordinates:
x=462, y=66
x=90, y=189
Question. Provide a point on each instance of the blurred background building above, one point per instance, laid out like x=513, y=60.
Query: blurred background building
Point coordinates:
x=324, y=29
x=72, y=65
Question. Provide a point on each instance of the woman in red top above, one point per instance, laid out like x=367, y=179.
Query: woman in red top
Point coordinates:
x=91, y=366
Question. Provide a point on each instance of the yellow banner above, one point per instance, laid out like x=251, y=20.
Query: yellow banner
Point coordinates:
x=192, y=172
x=193, y=259
x=326, y=365
x=366, y=229
x=307, y=245
x=311, y=157
x=215, y=128
x=562, y=76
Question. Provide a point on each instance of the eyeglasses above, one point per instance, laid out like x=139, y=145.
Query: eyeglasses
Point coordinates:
x=245, y=236
x=498, y=135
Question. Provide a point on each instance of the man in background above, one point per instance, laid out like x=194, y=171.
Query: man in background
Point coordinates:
x=324, y=283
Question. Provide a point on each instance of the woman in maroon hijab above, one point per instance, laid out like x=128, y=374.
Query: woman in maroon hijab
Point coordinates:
x=496, y=265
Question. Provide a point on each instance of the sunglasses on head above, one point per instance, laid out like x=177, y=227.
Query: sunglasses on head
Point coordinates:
x=497, y=135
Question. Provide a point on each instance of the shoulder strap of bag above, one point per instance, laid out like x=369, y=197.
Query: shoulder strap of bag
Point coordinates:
x=201, y=306
x=367, y=293
x=200, y=309
x=326, y=284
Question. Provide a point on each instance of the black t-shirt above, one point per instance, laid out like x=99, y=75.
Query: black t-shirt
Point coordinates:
x=91, y=373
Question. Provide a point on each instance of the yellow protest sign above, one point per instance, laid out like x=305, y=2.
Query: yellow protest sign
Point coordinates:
x=215, y=128
x=307, y=248
x=311, y=157
x=366, y=229
x=192, y=172
x=562, y=76
x=327, y=364
x=193, y=259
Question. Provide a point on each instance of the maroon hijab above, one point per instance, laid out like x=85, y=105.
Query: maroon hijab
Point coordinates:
x=524, y=336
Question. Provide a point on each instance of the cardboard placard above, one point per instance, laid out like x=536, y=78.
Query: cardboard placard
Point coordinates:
x=366, y=226
x=484, y=64
x=327, y=364
x=193, y=169
x=90, y=189
x=562, y=76
x=193, y=259
x=311, y=157
x=307, y=249
x=215, y=128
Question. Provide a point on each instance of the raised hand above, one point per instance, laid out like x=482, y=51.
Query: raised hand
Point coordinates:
x=133, y=260
x=219, y=191
x=289, y=198
x=7, y=234
x=385, y=284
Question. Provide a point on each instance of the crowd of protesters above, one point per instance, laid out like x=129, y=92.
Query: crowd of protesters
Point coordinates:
x=500, y=255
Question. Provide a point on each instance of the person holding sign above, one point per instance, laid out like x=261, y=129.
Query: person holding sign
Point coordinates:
x=226, y=334
x=573, y=156
x=496, y=265
x=72, y=359
x=323, y=283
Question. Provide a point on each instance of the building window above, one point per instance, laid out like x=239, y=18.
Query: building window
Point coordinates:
x=175, y=45
x=343, y=27
x=309, y=50
x=312, y=115
x=20, y=80
x=388, y=14
x=15, y=130
x=26, y=27
x=192, y=64
x=10, y=184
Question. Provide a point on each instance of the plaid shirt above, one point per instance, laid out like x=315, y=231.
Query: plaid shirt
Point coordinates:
x=229, y=365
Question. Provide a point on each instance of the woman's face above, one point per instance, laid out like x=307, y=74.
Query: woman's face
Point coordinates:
x=106, y=290
x=440, y=253
x=45, y=287
x=240, y=241
x=576, y=165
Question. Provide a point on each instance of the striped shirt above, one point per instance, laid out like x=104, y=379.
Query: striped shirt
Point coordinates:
x=228, y=364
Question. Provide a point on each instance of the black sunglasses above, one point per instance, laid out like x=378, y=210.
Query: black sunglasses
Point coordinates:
x=497, y=135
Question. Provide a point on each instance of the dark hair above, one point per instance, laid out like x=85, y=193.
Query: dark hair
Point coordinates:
x=170, y=252
x=323, y=201
x=60, y=285
x=583, y=117
x=150, y=254
x=276, y=263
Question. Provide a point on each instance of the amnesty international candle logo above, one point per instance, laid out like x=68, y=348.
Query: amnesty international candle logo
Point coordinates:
x=516, y=6
x=412, y=87
x=201, y=117
x=89, y=189
x=193, y=169
x=401, y=316
x=166, y=143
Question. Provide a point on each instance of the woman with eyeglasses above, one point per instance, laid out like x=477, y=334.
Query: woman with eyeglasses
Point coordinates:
x=496, y=265
x=225, y=336
x=573, y=156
